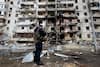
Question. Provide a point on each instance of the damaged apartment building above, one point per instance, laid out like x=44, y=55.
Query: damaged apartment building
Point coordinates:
x=2, y=18
x=72, y=17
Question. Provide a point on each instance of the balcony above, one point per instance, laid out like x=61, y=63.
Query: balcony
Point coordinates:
x=24, y=23
x=49, y=3
x=96, y=15
x=2, y=24
x=97, y=35
x=42, y=9
x=42, y=3
x=25, y=31
x=24, y=39
x=94, y=4
x=73, y=30
x=41, y=16
x=51, y=9
x=92, y=1
x=27, y=2
x=2, y=17
x=95, y=8
x=51, y=16
x=26, y=16
x=66, y=8
x=23, y=36
x=51, y=0
x=98, y=39
x=97, y=30
x=2, y=21
x=71, y=23
x=67, y=38
x=69, y=15
x=27, y=9
x=97, y=22
x=65, y=2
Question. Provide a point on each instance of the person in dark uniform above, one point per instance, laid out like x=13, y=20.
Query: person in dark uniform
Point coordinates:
x=38, y=51
x=40, y=34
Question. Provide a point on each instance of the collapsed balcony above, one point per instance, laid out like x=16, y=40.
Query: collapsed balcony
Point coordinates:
x=2, y=23
x=23, y=37
x=42, y=14
x=94, y=6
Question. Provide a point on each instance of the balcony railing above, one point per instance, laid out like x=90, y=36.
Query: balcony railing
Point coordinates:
x=24, y=39
x=27, y=9
x=74, y=30
x=95, y=8
x=41, y=16
x=66, y=8
x=51, y=3
x=69, y=15
x=94, y=4
x=92, y=1
x=2, y=24
x=97, y=22
x=2, y=17
x=26, y=16
x=65, y=2
x=23, y=35
x=24, y=23
x=51, y=9
x=27, y=2
x=42, y=9
x=25, y=31
x=42, y=3
x=96, y=15
x=71, y=23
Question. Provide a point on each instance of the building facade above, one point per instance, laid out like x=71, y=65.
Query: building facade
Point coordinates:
x=72, y=17
x=95, y=17
x=2, y=16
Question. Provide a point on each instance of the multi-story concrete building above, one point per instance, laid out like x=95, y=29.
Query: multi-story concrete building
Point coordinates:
x=83, y=15
x=11, y=17
x=2, y=16
x=26, y=19
x=72, y=17
x=95, y=17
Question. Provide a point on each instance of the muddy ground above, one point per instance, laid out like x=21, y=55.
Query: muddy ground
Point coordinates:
x=89, y=60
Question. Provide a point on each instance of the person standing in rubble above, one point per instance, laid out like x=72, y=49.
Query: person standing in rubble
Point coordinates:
x=40, y=34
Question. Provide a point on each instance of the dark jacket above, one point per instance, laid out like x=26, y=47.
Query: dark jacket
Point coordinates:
x=38, y=46
x=39, y=33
